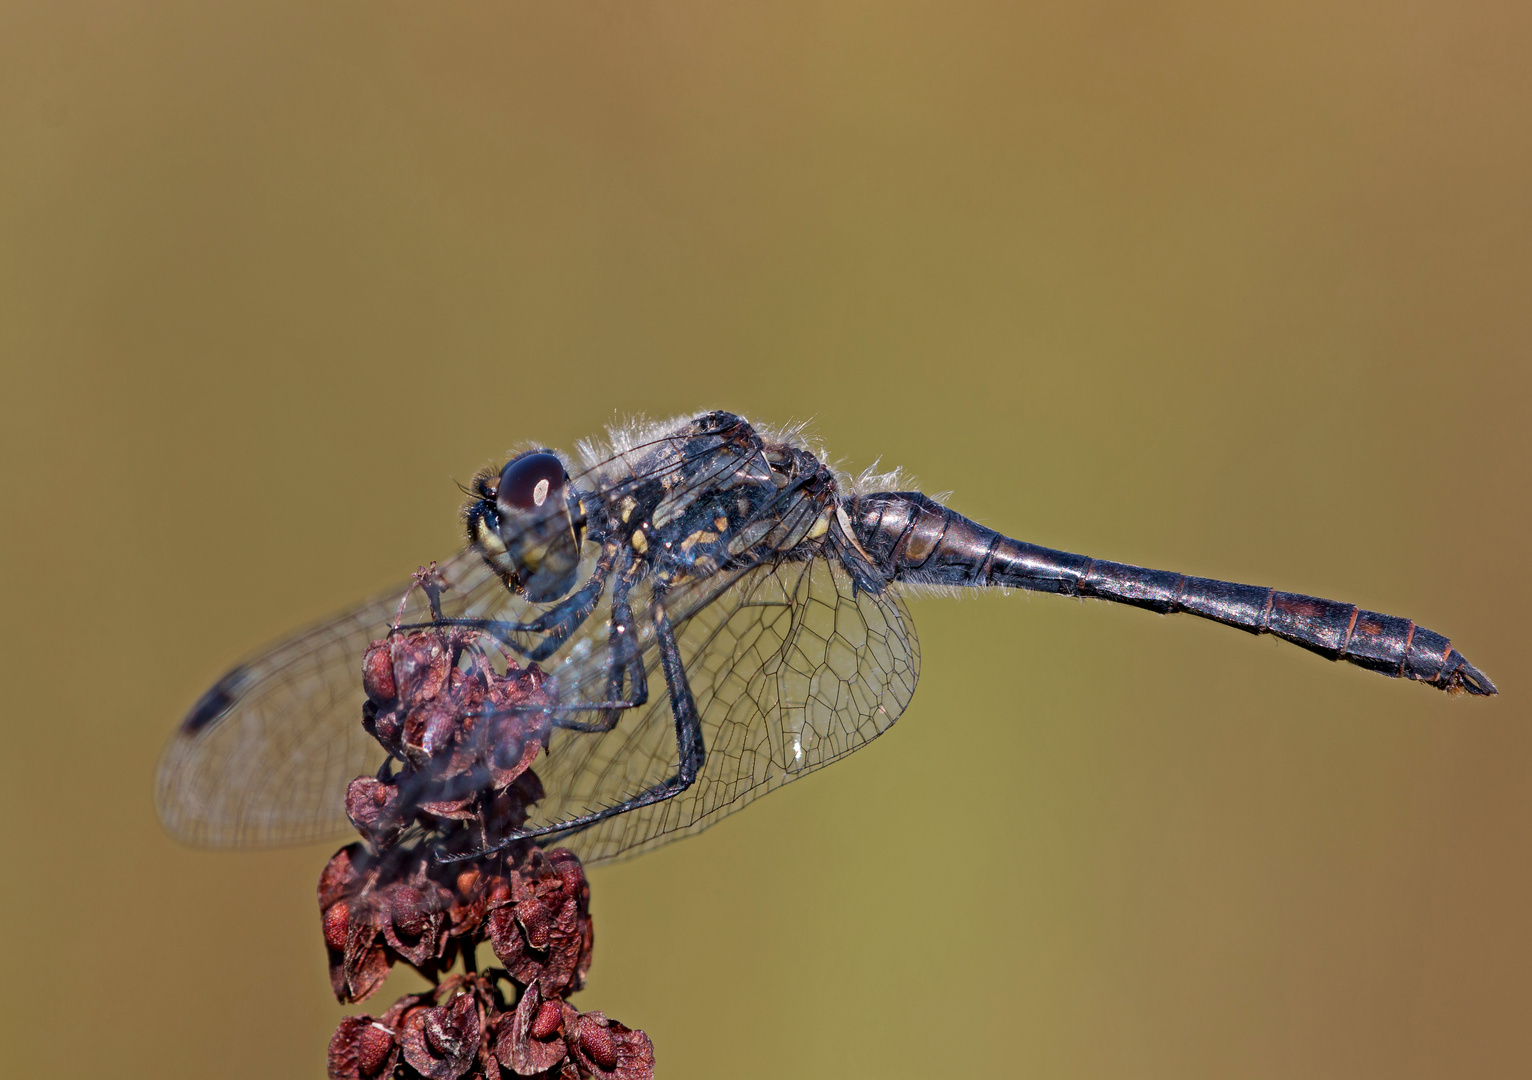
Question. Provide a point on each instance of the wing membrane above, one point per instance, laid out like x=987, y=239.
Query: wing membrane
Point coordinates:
x=791, y=669
x=790, y=666
x=264, y=758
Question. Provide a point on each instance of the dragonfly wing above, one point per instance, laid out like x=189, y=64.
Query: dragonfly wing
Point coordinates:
x=263, y=759
x=791, y=669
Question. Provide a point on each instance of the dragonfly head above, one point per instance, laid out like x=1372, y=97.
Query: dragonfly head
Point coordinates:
x=522, y=525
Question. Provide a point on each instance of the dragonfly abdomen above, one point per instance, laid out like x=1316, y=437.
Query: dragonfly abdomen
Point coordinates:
x=916, y=539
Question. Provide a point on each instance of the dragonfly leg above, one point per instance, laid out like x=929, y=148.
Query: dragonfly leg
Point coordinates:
x=626, y=660
x=691, y=753
x=556, y=624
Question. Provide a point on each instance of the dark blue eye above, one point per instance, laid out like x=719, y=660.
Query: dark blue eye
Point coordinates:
x=531, y=482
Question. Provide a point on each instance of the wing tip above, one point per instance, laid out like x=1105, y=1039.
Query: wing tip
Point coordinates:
x=213, y=704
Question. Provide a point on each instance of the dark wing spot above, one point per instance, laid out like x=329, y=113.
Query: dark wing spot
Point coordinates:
x=213, y=704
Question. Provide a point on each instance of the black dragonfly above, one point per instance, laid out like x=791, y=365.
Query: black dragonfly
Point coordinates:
x=719, y=612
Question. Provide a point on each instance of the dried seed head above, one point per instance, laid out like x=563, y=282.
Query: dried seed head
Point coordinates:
x=529, y=1042
x=443, y=1043
x=597, y=1042
x=462, y=739
x=378, y=673
x=337, y=920
x=361, y=1049
x=605, y=1048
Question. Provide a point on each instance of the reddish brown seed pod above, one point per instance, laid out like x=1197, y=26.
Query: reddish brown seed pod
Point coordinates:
x=464, y=739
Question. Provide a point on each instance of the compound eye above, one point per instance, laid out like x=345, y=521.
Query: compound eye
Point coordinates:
x=531, y=482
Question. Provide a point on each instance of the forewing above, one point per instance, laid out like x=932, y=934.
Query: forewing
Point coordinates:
x=791, y=669
x=264, y=757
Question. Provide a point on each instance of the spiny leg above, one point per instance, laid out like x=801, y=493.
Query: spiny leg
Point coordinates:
x=558, y=622
x=691, y=753
x=569, y=616
x=626, y=658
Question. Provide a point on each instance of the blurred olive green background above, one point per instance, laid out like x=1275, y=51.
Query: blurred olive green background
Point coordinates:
x=1236, y=290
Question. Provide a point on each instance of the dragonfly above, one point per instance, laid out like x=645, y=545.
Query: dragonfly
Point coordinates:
x=717, y=611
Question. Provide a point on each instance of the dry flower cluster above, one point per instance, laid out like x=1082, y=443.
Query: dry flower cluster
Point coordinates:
x=461, y=739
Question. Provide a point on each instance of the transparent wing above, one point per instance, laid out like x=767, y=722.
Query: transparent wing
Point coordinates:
x=791, y=669
x=264, y=757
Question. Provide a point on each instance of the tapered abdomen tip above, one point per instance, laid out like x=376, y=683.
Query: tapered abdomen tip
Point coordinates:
x=1467, y=679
